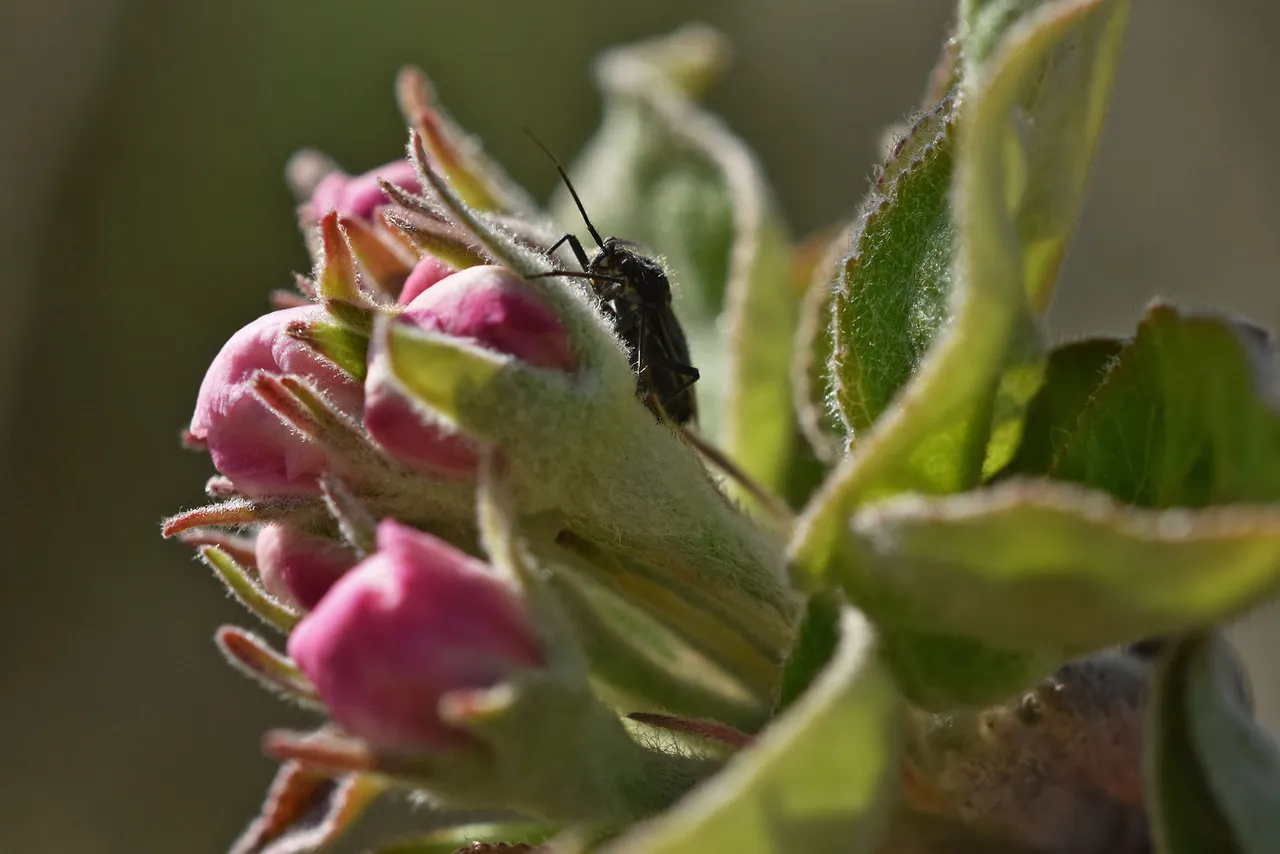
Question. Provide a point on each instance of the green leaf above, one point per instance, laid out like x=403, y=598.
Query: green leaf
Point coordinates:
x=812, y=379
x=985, y=22
x=943, y=672
x=896, y=284
x=1214, y=770
x=816, y=641
x=1040, y=101
x=460, y=838
x=1240, y=758
x=1185, y=815
x=819, y=779
x=934, y=439
x=1187, y=417
x=1020, y=172
x=664, y=172
x=1053, y=567
x=1074, y=372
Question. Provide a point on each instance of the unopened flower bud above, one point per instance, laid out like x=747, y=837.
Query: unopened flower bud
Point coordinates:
x=360, y=195
x=299, y=568
x=496, y=309
x=411, y=623
x=426, y=273
x=249, y=444
x=489, y=306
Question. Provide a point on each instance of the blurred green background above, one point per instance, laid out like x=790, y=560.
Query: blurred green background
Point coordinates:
x=143, y=219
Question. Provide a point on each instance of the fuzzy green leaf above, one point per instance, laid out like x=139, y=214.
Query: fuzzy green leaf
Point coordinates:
x=816, y=642
x=985, y=22
x=1074, y=372
x=1053, y=567
x=942, y=671
x=895, y=288
x=1042, y=98
x=1240, y=758
x=1186, y=817
x=1187, y=417
x=934, y=439
x=817, y=780
x=959, y=416
x=811, y=368
x=666, y=173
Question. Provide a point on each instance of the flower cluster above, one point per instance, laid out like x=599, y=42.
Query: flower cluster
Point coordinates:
x=462, y=471
x=436, y=370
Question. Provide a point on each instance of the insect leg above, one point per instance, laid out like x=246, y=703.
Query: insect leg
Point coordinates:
x=576, y=245
x=690, y=373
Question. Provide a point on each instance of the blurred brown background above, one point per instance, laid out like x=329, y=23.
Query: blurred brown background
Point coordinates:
x=143, y=218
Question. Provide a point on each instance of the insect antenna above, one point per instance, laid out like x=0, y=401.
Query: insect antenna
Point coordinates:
x=595, y=235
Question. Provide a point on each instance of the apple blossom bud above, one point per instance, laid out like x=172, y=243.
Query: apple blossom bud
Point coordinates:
x=489, y=306
x=494, y=307
x=413, y=622
x=360, y=195
x=249, y=444
x=299, y=568
x=426, y=273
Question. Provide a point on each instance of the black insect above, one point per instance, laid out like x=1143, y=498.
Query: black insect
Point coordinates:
x=635, y=293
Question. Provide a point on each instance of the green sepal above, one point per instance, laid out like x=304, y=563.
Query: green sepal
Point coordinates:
x=478, y=179
x=819, y=779
x=306, y=811
x=339, y=343
x=643, y=664
x=253, y=657
x=337, y=277
x=247, y=590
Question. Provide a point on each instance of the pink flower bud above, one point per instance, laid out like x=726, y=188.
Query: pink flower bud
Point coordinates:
x=249, y=444
x=361, y=195
x=426, y=273
x=496, y=309
x=409, y=624
x=299, y=568
x=489, y=306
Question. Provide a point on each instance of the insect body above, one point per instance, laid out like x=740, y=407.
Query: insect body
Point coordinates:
x=635, y=293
